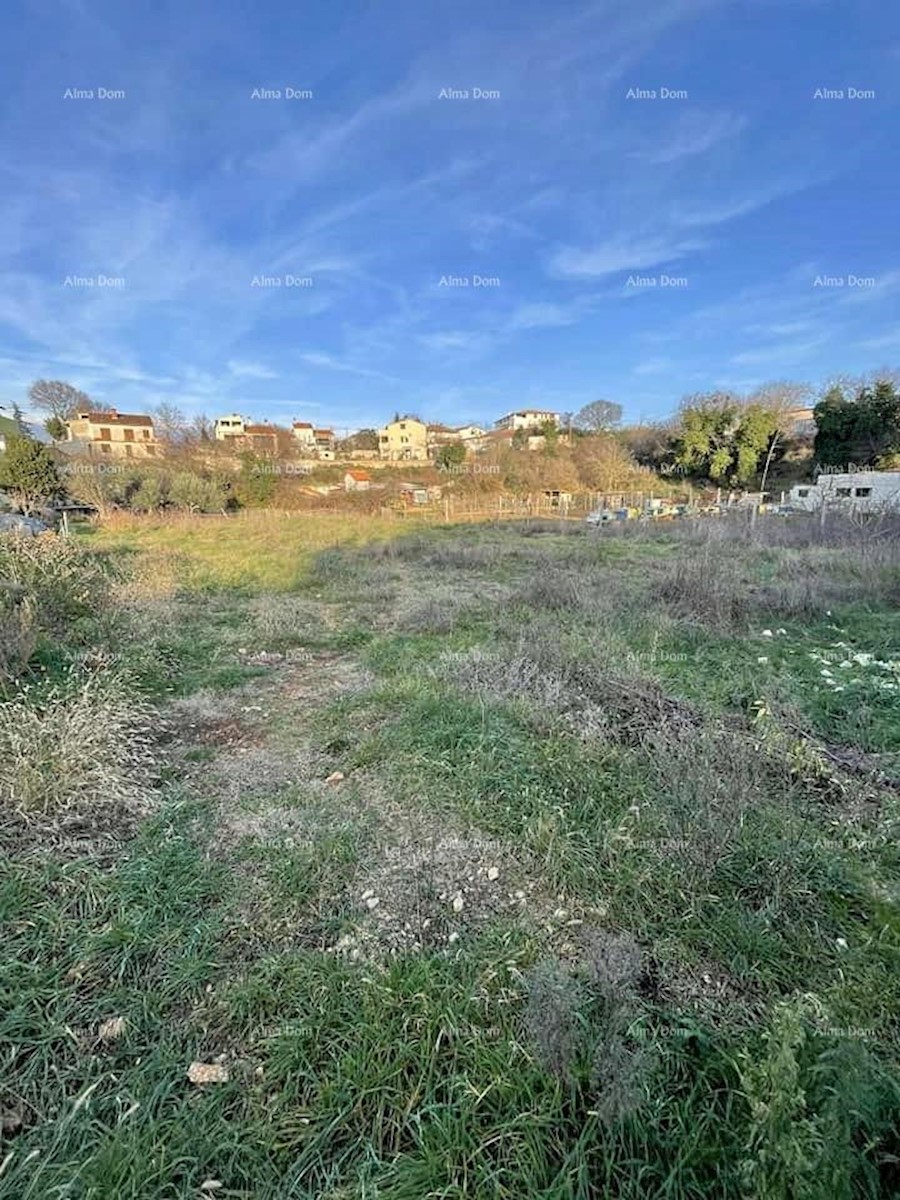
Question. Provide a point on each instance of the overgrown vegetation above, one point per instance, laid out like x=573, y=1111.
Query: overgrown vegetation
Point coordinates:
x=517, y=860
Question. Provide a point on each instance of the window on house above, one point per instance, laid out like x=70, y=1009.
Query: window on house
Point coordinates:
x=104, y=434
x=146, y=435
x=129, y=452
x=129, y=435
x=864, y=491
x=105, y=449
x=803, y=492
x=843, y=491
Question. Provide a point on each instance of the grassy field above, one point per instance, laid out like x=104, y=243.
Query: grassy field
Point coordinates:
x=498, y=861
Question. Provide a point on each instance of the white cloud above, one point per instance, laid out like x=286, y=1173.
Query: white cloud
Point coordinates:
x=693, y=133
x=620, y=254
x=250, y=370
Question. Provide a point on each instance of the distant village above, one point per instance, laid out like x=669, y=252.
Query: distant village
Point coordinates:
x=405, y=439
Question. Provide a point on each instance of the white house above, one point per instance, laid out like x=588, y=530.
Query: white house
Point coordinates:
x=304, y=434
x=228, y=427
x=861, y=491
x=527, y=418
x=357, y=481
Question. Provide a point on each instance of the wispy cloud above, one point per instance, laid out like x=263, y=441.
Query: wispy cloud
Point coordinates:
x=621, y=254
x=693, y=133
x=250, y=370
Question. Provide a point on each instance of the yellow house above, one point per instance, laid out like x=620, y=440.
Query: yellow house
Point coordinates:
x=405, y=438
x=113, y=434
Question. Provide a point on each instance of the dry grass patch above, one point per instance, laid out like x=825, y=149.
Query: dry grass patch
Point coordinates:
x=77, y=757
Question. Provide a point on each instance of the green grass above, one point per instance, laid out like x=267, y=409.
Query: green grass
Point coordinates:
x=752, y=1053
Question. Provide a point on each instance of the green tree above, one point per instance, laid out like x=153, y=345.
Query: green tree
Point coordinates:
x=56, y=427
x=724, y=439
x=19, y=417
x=450, y=455
x=256, y=482
x=29, y=474
x=550, y=431
x=193, y=492
x=863, y=427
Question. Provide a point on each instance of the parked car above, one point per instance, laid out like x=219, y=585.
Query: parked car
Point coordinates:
x=600, y=516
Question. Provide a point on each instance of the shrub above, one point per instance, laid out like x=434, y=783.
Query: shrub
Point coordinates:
x=707, y=587
x=65, y=582
x=18, y=633
x=75, y=749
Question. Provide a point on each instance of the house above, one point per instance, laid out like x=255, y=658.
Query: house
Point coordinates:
x=357, y=481
x=113, y=434
x=403, y=439
x=799, y=422
x=527, y=418
x=507, y=439
x=859, y=491
x=261, y=438
x=303, y=433
x=471, y=437
x=325, y=444
x=229, y=427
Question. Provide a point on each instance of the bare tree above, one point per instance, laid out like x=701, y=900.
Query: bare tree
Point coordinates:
x=59, y=400
x=600, y=416
x=170, y=423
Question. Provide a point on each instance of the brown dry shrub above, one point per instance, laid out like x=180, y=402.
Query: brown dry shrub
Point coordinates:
x=707, y=588
x=18, y=630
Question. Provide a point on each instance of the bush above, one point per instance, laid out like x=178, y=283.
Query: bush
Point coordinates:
x=18, y=631
x=75, y=749
x=63, y=582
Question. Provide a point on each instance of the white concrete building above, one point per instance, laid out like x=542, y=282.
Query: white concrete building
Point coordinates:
x=304, y=434
x=861, y=491
x=231, y=426
x=527, y=418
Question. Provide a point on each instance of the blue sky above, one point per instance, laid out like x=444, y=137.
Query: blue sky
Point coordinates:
x=743, y=188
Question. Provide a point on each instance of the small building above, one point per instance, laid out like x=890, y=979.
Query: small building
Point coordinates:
x=403, y=440
x=357, y=481
x=113, y=434
x=471, y=437
x=556, y=498
x=507, y=439
x=324, y=444
x=261, y=438
x=229, y=427
x=414, y=493
x=800, y=422
x=859, y=491
x=304, y=435
x=527, y=418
